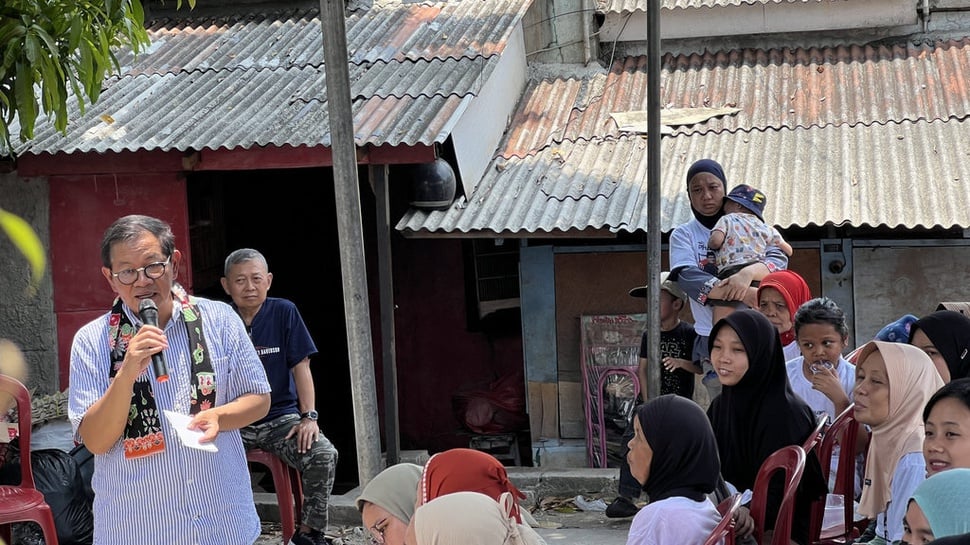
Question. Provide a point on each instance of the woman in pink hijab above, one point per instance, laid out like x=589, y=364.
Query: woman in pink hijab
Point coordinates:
x=779, y=296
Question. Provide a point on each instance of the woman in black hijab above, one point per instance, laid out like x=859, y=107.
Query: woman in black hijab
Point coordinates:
x=945, y=337
x=673, y=454
x=757, y=413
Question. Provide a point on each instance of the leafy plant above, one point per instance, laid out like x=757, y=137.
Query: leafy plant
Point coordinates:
x=26, y=240
x=52, y=48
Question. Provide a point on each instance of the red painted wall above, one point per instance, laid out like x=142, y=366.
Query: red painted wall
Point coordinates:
x=81, y=208
x=437, y=354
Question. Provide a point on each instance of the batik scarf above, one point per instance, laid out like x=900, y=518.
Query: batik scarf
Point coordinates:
x=143, y=431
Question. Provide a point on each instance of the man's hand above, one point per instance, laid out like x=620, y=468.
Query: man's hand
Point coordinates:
x=307, y=432
x=207, y=422
x=148, y=341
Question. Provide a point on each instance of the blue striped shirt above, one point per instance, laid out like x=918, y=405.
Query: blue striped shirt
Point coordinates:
x=182, y=495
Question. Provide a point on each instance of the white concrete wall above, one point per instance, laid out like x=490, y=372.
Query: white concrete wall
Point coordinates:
x=477, y=134
x=764, y=19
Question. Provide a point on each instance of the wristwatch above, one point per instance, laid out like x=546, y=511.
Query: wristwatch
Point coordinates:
x=310, y=415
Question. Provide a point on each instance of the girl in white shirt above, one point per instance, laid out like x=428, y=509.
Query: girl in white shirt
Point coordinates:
x=673, y=454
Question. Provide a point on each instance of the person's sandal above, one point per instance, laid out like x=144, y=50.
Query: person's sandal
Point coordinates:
x=621, y=508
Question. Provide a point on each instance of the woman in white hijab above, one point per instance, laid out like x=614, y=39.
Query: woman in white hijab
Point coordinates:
x=469, y=518
x=387, y=503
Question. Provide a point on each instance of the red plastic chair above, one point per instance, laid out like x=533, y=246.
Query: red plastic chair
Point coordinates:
x=791, y=460
x=728, y=508
x=24, y=502
x=816, y=436
x=843, y=431
x=289, y=490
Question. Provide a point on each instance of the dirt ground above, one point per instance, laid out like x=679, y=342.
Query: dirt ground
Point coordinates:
x=552, y=513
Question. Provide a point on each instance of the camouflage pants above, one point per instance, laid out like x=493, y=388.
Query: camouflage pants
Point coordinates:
x=316, y=466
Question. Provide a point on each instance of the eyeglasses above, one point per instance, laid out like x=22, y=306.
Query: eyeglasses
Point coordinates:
x=377, y=535
x=152, y=271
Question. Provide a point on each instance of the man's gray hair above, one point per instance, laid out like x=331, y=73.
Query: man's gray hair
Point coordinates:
x=242, y=255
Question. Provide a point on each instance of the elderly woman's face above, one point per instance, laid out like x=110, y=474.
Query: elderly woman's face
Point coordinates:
x=772, y=304
x=384, y=528
x=706, y=193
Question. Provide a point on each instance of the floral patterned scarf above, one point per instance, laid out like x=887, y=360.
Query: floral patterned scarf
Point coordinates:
x=143, y=432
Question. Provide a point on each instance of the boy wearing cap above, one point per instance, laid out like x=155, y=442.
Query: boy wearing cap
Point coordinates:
x=676, y=377
x=741, y=237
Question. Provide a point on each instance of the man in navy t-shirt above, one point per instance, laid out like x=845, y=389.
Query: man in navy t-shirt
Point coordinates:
x=290, y=429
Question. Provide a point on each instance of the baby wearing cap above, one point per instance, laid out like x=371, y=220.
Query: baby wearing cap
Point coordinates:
x=741, y=237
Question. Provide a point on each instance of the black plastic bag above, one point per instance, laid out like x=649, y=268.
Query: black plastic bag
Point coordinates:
x=85, y=466
x=57, y=475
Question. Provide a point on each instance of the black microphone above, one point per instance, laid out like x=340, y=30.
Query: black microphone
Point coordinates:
x=149, y=314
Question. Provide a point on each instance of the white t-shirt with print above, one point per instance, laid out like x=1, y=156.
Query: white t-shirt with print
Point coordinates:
x=688, y=248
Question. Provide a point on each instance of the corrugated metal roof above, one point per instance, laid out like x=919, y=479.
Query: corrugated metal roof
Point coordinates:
x=259, y=80
x=857, y=175
x=778, y=88
x=814, y=127
x=629, y=6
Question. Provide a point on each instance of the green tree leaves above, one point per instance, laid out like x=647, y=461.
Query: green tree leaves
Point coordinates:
x=25, y=239
x=49, y=48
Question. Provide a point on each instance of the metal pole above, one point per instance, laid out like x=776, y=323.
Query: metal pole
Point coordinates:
x=351, y=233
x=653, y=198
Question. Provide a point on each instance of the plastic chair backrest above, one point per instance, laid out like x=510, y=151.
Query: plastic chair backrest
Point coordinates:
x=815, y=437
x=843, y=432
x=728, y=508
x=20, y=394
x=791, y=460
x=23, y=503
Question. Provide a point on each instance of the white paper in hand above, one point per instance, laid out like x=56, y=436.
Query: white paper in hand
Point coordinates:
x=189, y=438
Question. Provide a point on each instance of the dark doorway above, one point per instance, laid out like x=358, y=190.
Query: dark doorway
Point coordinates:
x=289, y=216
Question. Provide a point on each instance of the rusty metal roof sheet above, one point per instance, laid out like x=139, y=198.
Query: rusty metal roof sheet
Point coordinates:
x=257, y=80
x=837, y=174
x=834, y=136
x=774, y=89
